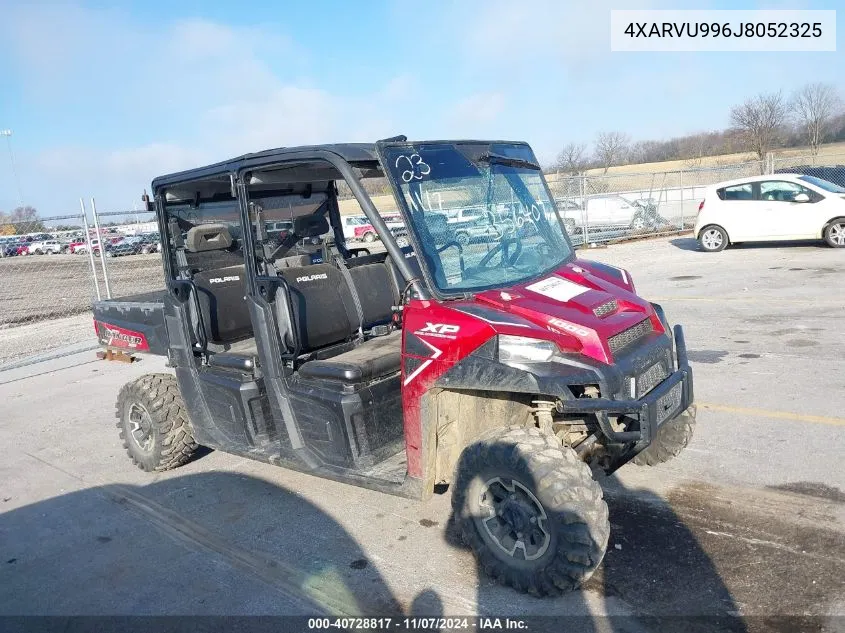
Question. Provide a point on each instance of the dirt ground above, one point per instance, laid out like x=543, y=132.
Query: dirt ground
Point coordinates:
x=745, y=531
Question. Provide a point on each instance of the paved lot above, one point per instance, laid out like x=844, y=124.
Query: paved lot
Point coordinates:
x=750, y=520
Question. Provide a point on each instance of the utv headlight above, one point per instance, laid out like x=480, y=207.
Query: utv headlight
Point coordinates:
x=519, y=349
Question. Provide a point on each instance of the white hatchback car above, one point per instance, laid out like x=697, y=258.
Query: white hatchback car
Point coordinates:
x=769, y=208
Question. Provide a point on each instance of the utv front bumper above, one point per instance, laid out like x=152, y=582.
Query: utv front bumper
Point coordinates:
x=643, y=416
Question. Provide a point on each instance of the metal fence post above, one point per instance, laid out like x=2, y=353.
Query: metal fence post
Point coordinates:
x=90, y=249
x=582, y=185
x=683, y=211
x=102, y=248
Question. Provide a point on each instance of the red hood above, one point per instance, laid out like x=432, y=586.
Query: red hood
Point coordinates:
x=563, y=305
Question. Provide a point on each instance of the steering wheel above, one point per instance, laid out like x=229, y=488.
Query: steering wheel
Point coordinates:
x=543, y=250
x=503, y=247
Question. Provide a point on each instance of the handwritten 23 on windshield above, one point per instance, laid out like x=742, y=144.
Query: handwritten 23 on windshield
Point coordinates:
x=724, y=29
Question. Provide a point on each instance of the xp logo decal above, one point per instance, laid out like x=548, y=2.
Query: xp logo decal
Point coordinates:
x=439, y=330
x=434, y=354
x=566, y=326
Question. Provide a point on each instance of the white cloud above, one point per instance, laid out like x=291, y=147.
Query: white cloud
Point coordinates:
x=478, y=110
x=187, y=93
x=506, y=33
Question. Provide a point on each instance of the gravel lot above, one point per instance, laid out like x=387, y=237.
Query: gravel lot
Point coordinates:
x=45, y=301
x=39, y=288
x=749, y=521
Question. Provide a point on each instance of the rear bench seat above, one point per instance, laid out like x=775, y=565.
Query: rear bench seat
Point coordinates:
x=324, y=314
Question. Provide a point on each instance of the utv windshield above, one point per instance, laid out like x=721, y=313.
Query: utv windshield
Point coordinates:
x=480, y=213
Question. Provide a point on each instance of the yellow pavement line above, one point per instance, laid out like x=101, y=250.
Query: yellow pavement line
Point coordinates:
x=782, y=415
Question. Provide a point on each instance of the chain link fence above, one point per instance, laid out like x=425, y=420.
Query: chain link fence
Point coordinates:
x=830, y=167
x=52, y=268
x=598, y=207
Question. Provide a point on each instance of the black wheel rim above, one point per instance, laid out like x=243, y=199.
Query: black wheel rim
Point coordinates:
x=140, y=426
x=512, y=520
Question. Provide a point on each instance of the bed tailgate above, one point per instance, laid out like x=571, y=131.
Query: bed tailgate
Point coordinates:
x=133, y=324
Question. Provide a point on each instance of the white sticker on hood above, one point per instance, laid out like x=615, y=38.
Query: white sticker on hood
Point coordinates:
x=558, y=288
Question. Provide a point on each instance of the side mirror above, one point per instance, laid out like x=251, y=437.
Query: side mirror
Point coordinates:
x=801, y=197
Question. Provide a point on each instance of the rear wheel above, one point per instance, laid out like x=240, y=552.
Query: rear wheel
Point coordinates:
x=670, y=440
x=530, y=510
x=369, y=237
x=834, y=233
x=462, y=238
x=38, y=251
x=713, y=239
x=153, y=423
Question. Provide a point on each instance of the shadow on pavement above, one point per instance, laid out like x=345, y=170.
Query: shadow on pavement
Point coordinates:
x=655, y=576
x=229, y=544
x=691, y=244
x=203, y=544
x=686, y=244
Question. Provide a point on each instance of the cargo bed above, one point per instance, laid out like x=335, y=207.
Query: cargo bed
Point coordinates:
x=133, y=323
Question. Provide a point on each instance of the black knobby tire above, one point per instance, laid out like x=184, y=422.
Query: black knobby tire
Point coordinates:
x=670, y=440
x=576, y=524
x=834, y=232
x=164, y=439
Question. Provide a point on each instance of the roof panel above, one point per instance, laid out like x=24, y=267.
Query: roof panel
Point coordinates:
x=351, y=152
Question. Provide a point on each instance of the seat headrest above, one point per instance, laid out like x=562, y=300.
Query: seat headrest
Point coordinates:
x=208, y=237
x=310, y=226
x=294, y=261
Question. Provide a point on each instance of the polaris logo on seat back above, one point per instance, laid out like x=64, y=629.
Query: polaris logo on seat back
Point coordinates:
x=312, y=277
x=223, y=280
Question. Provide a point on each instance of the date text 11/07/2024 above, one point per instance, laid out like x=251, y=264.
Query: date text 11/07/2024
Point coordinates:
x=418, y=624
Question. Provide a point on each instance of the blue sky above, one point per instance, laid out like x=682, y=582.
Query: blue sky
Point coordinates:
x=102, y=97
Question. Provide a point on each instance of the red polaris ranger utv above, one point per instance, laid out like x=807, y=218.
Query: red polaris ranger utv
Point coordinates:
x=503, y=368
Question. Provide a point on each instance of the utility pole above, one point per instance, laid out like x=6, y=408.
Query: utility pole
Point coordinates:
x=8, y=135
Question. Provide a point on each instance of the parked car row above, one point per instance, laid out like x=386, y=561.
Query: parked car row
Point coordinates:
x=45, y=244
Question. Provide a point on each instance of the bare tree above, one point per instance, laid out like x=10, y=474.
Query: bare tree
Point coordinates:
x=610, y=149
x=760, y=119
x=572, y=159
x=814, y=107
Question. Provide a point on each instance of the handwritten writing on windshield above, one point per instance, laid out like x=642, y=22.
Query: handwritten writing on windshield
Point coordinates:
x=507, y=223
x=413, y=166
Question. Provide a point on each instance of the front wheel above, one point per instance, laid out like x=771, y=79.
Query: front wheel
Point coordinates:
x=530, y=510
x=670, y=440
x=154, y=424
x=369, y=237
x=713, y=239
x=834, y=233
